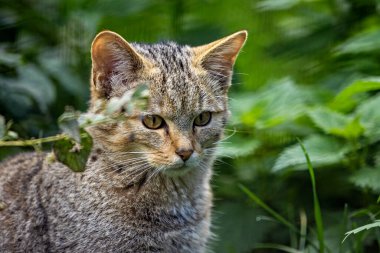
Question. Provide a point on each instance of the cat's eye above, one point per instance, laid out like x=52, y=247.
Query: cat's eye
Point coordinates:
x=153, y=121
x=202, y=119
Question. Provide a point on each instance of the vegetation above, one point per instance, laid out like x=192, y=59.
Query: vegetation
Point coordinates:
x=299, y=170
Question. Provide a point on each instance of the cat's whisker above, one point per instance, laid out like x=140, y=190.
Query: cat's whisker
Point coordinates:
x=137, y=174
x=155, y=172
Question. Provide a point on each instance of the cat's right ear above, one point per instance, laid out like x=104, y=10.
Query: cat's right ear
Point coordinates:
x=114, y=62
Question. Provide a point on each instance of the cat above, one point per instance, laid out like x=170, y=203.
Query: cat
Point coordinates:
x=146, y=187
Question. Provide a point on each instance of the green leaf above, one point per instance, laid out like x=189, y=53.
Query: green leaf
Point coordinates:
x=275, y=5
x=68, y=123
x=367, y=178
x=369, y=115
x=237, y=146
x=317, y=208
x=335, y=123
x=35, y=82
x=131, y=99
x=51, y=62
x=365, y=42
x=9, y=59
x=346, y=100
x=73, y=154
x=362, y=228
x=140, y=97
x=281, y=102
x=115, y=104
x=323, y=151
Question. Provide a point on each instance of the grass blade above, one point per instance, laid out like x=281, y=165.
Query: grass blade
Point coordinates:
x=303, y=230
x=261, y=203
x=317, y=208
x=275, y=215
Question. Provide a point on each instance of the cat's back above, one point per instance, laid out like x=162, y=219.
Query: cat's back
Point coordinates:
x=18, y=202
x=16, y=172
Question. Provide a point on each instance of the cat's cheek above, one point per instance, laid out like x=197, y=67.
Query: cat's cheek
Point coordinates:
x=209, y=137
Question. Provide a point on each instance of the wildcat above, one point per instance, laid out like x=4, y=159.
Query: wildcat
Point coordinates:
x=146, y=184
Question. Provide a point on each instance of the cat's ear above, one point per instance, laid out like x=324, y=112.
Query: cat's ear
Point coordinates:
x=114, y=62
x=218, y=57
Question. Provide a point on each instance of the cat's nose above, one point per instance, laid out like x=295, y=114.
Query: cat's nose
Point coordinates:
x=184, y=153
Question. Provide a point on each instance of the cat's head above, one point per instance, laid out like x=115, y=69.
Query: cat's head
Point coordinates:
x=187, y=107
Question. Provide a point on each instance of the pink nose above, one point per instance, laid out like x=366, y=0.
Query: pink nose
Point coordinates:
x=184, y=153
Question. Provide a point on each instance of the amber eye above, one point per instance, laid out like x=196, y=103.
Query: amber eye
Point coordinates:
x=202, y=119
x=153, y=121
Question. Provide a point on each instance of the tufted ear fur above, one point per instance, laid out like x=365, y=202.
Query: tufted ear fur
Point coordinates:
x=114, y=62
x=218, y=57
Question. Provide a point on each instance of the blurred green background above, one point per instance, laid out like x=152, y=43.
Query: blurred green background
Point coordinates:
x=309, y=70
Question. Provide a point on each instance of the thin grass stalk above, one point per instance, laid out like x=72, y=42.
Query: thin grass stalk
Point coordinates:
x=317, y=208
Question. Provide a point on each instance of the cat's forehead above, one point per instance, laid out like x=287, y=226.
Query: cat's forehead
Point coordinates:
x=177, y=88
x=169, y=57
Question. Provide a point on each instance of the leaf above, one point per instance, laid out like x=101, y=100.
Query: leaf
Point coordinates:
x=237, y=147
x=115, y=104
x=362, y=228
x=69, y=80
x=68, y=123
x=281, y=102
x=345, y=100
x=365, y=42
x=367, y=178
x=369, y=115
x=275, y=5
x=335, y=123
x=140, y=97
x=9, y=59
x=73, y=154
x=323, y=151
x=37, y=84
x=131, y=99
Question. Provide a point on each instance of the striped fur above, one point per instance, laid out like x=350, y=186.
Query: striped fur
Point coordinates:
x=137, y=193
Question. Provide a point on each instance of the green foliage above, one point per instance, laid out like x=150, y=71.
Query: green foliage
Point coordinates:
x=367, y=178
x=236, y=146
x=375, y=224
x=323, y=150
x=346, y=100
x=259, y=202
x=74, y=154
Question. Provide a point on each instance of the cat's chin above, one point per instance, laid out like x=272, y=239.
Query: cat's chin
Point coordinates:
x=180, y=169
x=177, y=172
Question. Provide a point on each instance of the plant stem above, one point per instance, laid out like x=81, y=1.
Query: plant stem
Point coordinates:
x=33, y=142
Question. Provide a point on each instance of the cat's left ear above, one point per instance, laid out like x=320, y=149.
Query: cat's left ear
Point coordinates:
x=218, y=57
x=115, y=63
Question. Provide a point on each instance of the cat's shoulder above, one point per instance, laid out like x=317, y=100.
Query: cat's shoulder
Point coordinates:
x=21, y=160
